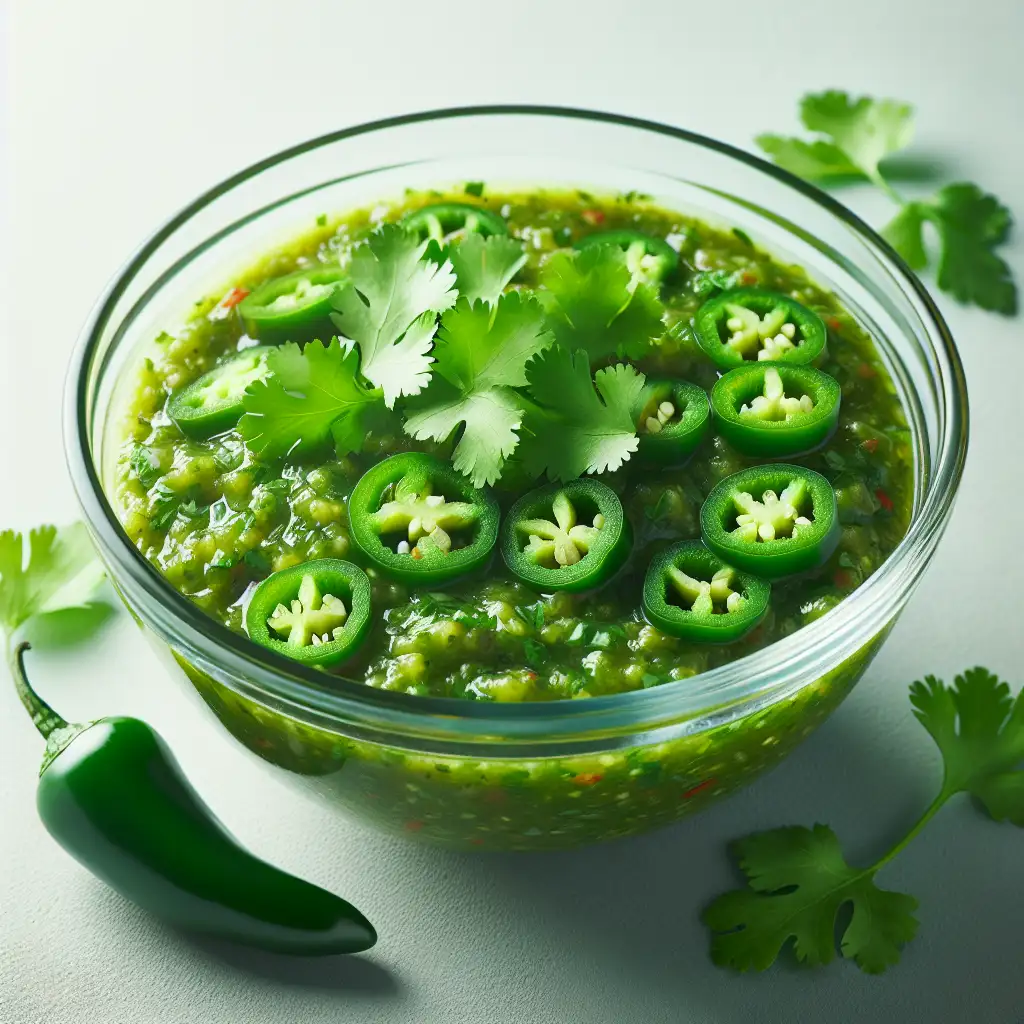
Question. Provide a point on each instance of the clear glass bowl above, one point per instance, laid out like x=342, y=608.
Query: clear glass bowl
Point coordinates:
x=538, y=775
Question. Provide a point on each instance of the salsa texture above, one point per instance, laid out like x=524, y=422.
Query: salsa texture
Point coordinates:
x=216, y=521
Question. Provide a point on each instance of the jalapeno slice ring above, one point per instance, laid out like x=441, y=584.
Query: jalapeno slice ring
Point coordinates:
x=672, y=418
x=773, y=520
x=774, y=409
x=571, y=536
x=421, y=522
x=212, y=403
x=648, y=258
x=751, y=323
x=440, y=221
x=691, y=593
x=317, y=612
x=293, y=301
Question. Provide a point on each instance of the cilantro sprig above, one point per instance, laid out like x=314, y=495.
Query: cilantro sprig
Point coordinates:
x=576, y=424
x=855, y=136
x=389, y=306
x=310, y=394
x=481, y=356
x=594, y=303
x=799, y=882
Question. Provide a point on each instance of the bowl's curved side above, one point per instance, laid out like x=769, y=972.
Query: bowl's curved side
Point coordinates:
x=538, y=804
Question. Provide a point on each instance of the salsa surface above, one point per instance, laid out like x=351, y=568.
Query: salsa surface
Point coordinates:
x=215, y=522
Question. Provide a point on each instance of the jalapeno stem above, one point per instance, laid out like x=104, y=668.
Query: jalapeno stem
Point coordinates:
x=44, y=718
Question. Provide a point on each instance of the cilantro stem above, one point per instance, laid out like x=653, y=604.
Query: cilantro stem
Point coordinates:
x=44, y=718
x=930, y=813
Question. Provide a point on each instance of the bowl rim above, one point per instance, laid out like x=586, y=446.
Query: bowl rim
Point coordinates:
x=265, y=675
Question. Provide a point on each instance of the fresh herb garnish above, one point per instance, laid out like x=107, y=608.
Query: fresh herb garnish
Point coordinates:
x=571, y=428
x=310, y=394
x=50, y=573
x=484, y=266
x=474, y=188
x=799, y=881
x=145, y=465
x=481, y=354
x=594, y=303
x=858, y=134
x=388, y=308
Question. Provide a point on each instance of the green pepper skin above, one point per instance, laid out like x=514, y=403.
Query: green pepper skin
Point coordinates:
x=198, y=411
x=761, y=438
x=117, y=801
x=418, y=470
x=681, y=437
x=299, y=321
x=332, y=575
x=665, y=257
x=600, y=563
x=438, y=220
x=700, y=626
x=782, y=556
x=712, y=333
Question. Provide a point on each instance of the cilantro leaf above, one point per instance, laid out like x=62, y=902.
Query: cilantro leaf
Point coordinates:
x=593, y=303
x=811, y=160
x=979, y=728
x=481, y=353
x=864, y=130
x=799, y=882
x=388, y=307
x=309, y=395
x=971, y=224
x=57, y=570
x=484, y=266
x=572, y=428
x=905, y=233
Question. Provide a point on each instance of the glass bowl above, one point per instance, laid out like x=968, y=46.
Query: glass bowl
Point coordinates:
x=537, y=775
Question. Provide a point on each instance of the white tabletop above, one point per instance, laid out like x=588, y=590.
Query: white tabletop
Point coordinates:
x=121, y=112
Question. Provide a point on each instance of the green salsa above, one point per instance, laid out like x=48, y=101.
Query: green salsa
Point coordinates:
x=216, y=520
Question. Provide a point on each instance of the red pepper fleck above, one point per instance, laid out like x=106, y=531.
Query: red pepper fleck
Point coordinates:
x=587, y=778
x=699, y=788
x=476, y=842
x=531, y=676
x=833, y=323
x=234, y=297
x=748, y=278
x=842, y=579
x=416, y=553
x=414, y=826
x=866, y=371
x=870, y=445
x=884, y=500
x=594, y=217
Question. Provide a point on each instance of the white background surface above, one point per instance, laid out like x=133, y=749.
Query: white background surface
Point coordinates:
x=120, y=112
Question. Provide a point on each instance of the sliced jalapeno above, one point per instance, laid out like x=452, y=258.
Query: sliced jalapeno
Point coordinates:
x=213, y=402
x=751, y=323
x=317, y=612
x=420, y=521
x=571, y=536
x=295, y=301
x=691, y=593
x=672, y=418
x=648, y=258
x=773, y=520
x=440, y=222
x=772, y=409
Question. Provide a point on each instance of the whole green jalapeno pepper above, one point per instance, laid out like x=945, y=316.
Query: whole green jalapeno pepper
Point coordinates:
x=111, y=793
